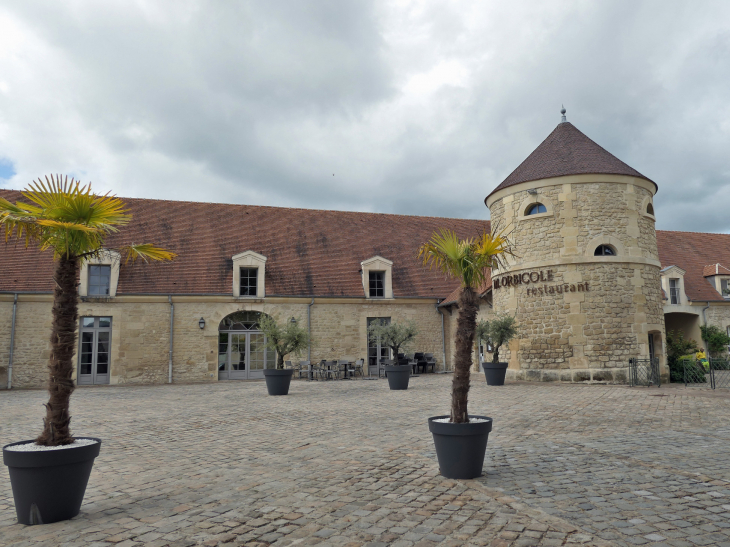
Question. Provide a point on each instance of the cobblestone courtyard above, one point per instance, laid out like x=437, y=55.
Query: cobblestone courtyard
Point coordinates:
x=352, y=463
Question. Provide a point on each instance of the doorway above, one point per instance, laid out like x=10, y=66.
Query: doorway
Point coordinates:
x=242, y=351
x=94, y=350
x=376, y=351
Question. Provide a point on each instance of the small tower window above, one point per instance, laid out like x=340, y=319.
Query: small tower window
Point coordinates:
x=650, y=209
x=605, y=250
x=536, y=208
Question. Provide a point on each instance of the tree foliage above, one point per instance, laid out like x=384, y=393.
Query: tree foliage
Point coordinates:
x=467, y=260
x=73, y=222
x=284, y=338
x=502, y=329
x=717, y=340
x=396, y=336
x=677, y=347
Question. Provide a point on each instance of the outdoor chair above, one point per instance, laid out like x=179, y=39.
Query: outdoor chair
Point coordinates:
x=287, y=364
x=303, y=368
x=411, y=362
x=420, y=361
x=356, y=368
x=331, y=370
x=430, y=362
x=381, y=369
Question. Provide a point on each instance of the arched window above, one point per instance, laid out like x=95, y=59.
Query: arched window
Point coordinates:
x=604, y=250
x=650, y=209
x=536, y=208
x=240, y=321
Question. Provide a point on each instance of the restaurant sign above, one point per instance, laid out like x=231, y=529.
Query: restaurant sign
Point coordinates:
x=535, y=278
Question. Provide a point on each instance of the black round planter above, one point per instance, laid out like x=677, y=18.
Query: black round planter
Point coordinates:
x=495, y=373
x=49, y=485
x=460, y=448
x=398, y=376
x=278, y=380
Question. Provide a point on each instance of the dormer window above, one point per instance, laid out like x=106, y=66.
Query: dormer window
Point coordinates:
x=249, y=277
x=535, y=209
x=725, y=287
x=249, y=270
x=604, y=250
x=99, y=279
x=377, y=277
x=99, y=275
x=377, y=284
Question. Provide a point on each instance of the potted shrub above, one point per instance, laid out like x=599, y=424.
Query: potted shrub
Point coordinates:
x=49, y=475
x=500, y=330
x=284, y=339
x=395, y=336
x=461, y=438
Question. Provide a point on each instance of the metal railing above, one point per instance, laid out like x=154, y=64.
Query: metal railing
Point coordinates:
x=711, y=373
x=644, y=372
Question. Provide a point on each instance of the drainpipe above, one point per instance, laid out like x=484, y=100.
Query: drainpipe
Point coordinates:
x=443, y=336
x=309, y=328
x=704, y=322
x=172, y=317
x=12, y=341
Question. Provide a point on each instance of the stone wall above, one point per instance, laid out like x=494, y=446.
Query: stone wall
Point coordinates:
x=141, y=333
x=594, y=312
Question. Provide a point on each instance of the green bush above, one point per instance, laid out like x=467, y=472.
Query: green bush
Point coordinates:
x=678, y=347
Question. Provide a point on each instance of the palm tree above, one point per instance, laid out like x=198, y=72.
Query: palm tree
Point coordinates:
x=467, y=260
x=73, y=222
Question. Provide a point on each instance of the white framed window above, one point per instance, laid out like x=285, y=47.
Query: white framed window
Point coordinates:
x=99, y=275
x=674, y=291
x=377, y=277
x=249, y=270
x=725, y=288
x=99, y=279
x=377, y=284
x=249, y=278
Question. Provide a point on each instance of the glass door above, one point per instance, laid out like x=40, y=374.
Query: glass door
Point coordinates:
x=243, y=356
x=94, y=350
x=376, y=351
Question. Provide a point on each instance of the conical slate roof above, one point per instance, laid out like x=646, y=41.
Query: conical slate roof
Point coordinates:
x=567, y=151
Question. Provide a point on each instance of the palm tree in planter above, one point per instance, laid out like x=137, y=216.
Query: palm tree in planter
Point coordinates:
x=49, y=476
x=284, y=339
x=395, y=336
x=500, y=331
x=461, y=439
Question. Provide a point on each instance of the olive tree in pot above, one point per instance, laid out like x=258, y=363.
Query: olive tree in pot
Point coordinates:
x=395, y=336
x=461, y=438
x=500, y=331
x=284, y=339
x=49, y=475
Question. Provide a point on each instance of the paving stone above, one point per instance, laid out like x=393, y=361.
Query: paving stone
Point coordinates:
x=224, y=464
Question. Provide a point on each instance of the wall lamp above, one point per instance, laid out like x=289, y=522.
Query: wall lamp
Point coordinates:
x=201, y=323
x=293, y=320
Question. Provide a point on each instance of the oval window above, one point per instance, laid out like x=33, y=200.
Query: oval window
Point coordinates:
x=650, y=209
x=604, y=250
x=536, y=208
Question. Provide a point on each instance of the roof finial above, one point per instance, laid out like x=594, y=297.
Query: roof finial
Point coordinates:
x=563, y=118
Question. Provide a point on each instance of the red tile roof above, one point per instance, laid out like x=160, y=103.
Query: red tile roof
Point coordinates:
x=456, y=293
x=567, y=151
x=715, y=269
x=309, y=252
x=692, y=251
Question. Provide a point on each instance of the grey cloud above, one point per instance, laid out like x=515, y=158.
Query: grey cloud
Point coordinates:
x=262, y=102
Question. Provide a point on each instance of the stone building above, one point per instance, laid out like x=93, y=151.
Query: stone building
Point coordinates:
x=593, y=283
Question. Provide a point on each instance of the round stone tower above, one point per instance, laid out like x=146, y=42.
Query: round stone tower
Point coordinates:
x=585, y=285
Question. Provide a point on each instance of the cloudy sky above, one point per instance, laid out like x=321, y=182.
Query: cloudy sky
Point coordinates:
x=399, y=107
